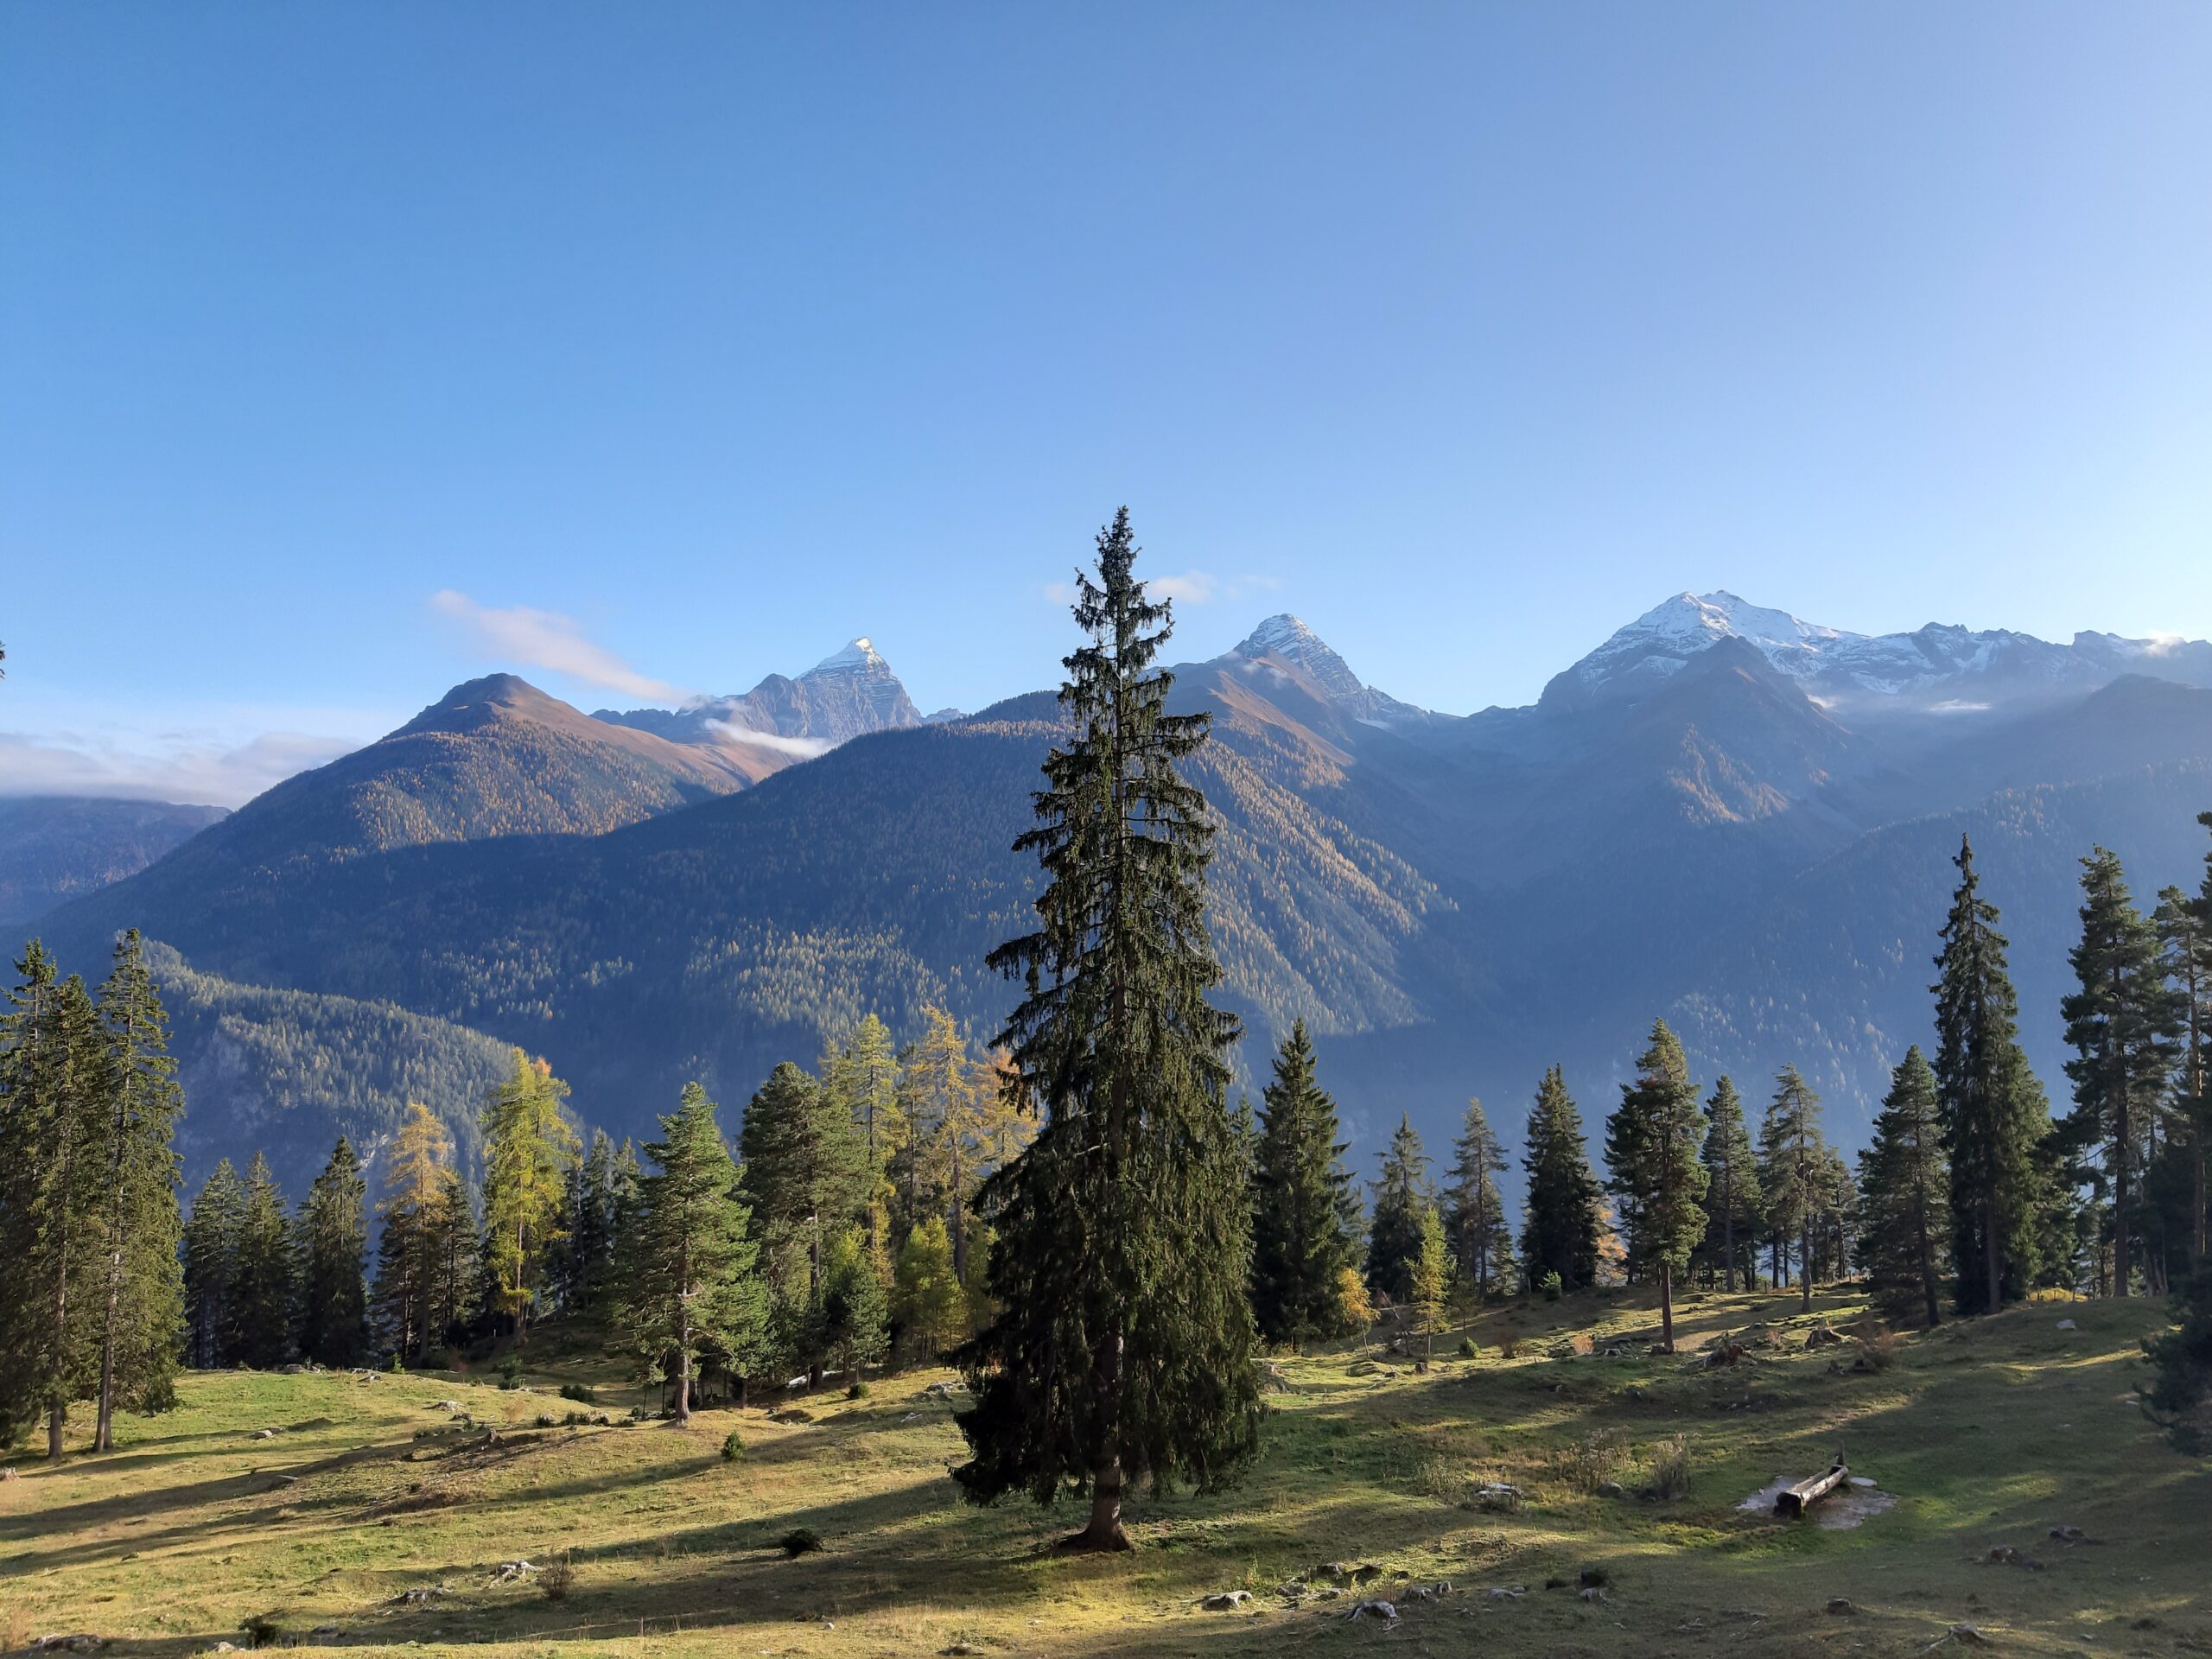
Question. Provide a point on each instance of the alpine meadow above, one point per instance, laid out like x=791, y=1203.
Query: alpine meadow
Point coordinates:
x=536, y=1124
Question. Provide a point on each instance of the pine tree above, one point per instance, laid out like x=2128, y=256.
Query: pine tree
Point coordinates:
x=1560, y=1222
x=1481, y=1238
x=210, y=1267
x=1906, y=1187
x=862, y=1079
x=927, y=1297
x=690, y=1286
x=142, y=1308
x=1123, y=1338
x=1793, y=1156
x=1429, y=1283
x=333, y=1249
x=851, y=1310
x=806, y=1177
x=52, y=1132
x=412, y=1210
x=589, y=1219
x=1652, y=1146
x=1304, y=1211
x=456, y=1248
x=528, y=1148
x=1995, y=1119
x=261, y=1296
x=1402, y=1191
x=1733, y=1198
x=2185, y=932
x=2122, y=1025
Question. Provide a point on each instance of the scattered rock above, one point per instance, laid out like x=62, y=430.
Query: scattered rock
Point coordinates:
x=513, y=1571
x=2071, y=1536
x=1294, y=1588
x=959, y=1649
x=221, y=1647
x=2005, y=1555
x=1821, y=1336
x=2067, y=1325
x=1609, y=1489
x=1382, y=1609
x=1435, y=1591
x=1842, y=1605
x=1225, y=1601
x=264, y=1433
x=1507, y=1591
x=79, y=1643
x=1365, y=1572
x=418, y=1595
x=1593, y=1594
x=1329, y=1593
x=444, y=1404
x=1498, y=1496
x=1728, y=1353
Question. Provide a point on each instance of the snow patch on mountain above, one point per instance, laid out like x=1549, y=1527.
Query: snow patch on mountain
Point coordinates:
x=1286, y=638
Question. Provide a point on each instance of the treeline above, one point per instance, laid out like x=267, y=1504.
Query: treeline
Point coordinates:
x=1970, y=1194
x=843, y=1226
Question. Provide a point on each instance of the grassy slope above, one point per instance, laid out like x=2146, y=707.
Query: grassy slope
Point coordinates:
x=1990, y=1433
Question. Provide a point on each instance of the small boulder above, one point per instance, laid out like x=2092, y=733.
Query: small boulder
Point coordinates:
x=1842, y=1605
x=1609, y=1489
x=1821, y=1336
x=1507, y=1591
x=2067, y=1325
x=1593, y=1593
x=1225, y=1601
x=1382, y=1609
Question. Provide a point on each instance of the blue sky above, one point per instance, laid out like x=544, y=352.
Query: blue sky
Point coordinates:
x=720, y=335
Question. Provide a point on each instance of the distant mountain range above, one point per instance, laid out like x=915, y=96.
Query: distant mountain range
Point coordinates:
x=53, y=846
x=1721, y=815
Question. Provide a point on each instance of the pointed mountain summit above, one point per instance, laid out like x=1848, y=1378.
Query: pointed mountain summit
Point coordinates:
x=847, y=694
x=1940, y=669
x=1285, y=641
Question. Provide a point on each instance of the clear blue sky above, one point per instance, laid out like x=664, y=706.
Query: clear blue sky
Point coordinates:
x=1467, y=331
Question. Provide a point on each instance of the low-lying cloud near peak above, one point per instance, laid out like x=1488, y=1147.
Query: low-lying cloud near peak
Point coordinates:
x=550, y=641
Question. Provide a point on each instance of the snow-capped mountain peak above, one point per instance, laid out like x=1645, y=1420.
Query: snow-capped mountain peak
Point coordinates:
x=859, y=653
x=1939, y=667
x=1286, y=638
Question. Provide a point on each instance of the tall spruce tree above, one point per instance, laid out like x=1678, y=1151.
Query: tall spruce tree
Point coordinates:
x=1733, y=1199
x=1905, y=1184
x=806, y=1179
x=2122, y=1024
x=1403, y=1193
x=589, y=1218
x=210, y=1267
x=850, y=1317
x=1474, y=1200
x=1559, y=1220
x=142, y=1308
x=52, y=1132
x=2185, y=932
x=334, y=1247
x=1995, y=1118
x=261, y=1295
x=456, y=1243
x=691, y=1288
x=1124, y=1337
x=1652, y=1148
x=1305, y=1213
x=528, y=1148
x=1794, y=1174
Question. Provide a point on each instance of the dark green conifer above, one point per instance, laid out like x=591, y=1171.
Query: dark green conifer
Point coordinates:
x=1403, y=1194
x=1794, y=1175
x=332, y=1248
x=1122, y=1341
x=806, y=1179
x=1560, y=1221
x=261, y=1297
x=1652, y=1148
x=2122, y=1024
x=689, y=1284
x=210, y=1267
x=1474, y=1203
x=1905, y=1184
x=1305, y=1213
x=1732, y=1198
x=52, y=1132
x=1995, y=1118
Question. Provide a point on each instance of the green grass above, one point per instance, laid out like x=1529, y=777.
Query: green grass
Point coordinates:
x=1989, y=1433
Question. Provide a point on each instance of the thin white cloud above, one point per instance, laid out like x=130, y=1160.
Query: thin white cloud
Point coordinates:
x=550, y=641
x=731, y=732
x=200, y=768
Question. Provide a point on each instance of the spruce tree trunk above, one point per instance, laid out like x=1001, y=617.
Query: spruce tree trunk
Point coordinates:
x=1667, y=1306
x=56, y=1414
x=1728, y=1237
x=1805, y=1258
x=1927, y=1270
x=1104, y=1532
x=2122, y=1148
x=1992, y=1279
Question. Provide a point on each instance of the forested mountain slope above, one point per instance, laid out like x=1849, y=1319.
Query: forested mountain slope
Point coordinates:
x=55, y=847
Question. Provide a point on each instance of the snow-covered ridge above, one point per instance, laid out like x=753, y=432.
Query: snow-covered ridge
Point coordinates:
x=1287, y=639
x=1928, y=667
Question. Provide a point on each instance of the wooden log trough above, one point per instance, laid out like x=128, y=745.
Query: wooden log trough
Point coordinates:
x=1795, y=1500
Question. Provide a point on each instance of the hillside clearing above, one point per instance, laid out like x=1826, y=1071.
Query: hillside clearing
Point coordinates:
x=1989, y=1434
